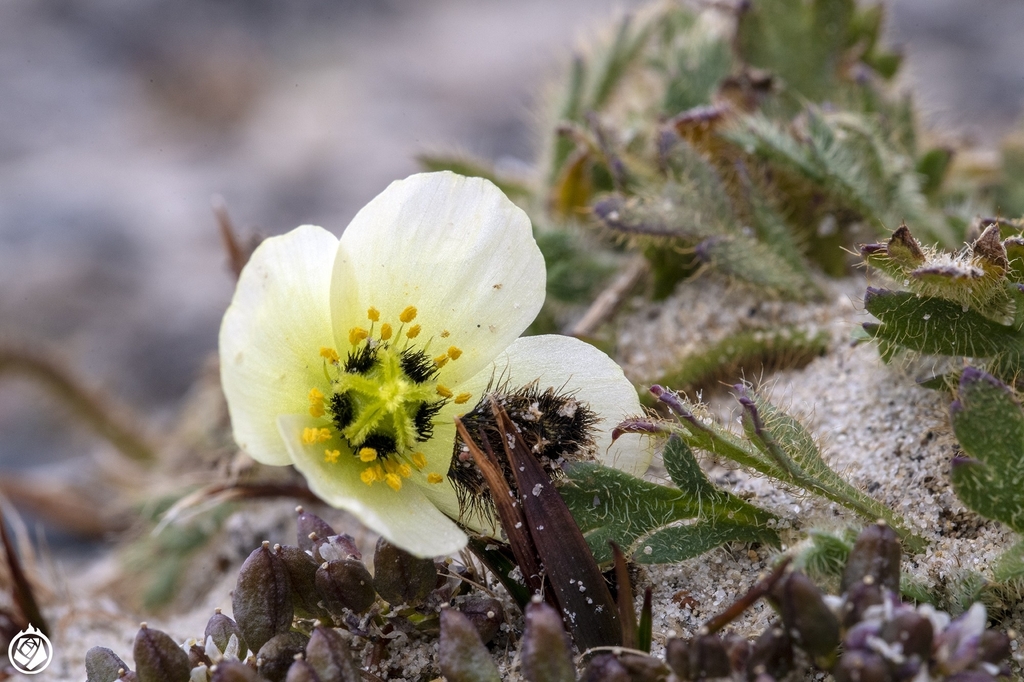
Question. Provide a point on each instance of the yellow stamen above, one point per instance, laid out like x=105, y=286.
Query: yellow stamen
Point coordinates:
x=454, y=352
x=408, y=315
x=385, y=331
x=445, y=334
x=329, y=354
x=405, y=470
x=331, y=456
x=316, y=403
x=309, y=435
x=325, y=434
x=440, y=361
x=462, y=398
x=414, y=331
x=373, y=314
x=434, y=478
x=393, y=481
x=444, y=391
x=368, y=476
x=419, y=460
x=357, y=334
x=390, y=467
x=367, y=454
x=378, y=472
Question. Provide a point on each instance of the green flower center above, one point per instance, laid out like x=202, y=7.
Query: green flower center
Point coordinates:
x=383, y=399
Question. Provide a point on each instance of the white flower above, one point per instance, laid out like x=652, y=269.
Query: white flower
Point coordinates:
x=349, y=358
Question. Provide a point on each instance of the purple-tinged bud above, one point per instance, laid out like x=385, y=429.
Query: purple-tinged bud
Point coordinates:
x=772, y=654
x=912, y=631
x=401, y=578
x=989, y=248
x=486, y=614
x=874, y=559
x=808, y=619
x=345, y=584
x=103, y=665
x=862, y=666
x=307, y=523
x=300, y=671
x=335, y=548
x=859, y=598
x=262, y=600
x=958, y=646
x=605, y=668
x=302, y=582
x=857, y=637
x=158, y=658
x=233, y=671
x=330, y=655
x=904, y=249
x=545, y=650
x=276, y=656
x=221, y=628
x=461, y=654
x=994, y=647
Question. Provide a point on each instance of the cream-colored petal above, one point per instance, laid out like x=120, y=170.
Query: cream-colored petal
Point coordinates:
x=576, y=367
x=271, y=336
x=405, y=518
x=457, y=250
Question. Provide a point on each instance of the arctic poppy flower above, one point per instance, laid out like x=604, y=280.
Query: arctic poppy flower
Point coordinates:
x=349, y=358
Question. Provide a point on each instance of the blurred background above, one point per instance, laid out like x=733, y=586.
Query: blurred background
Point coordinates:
x=119, y=119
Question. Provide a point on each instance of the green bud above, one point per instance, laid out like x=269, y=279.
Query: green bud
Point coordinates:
x=276, y=656
x=262, y=601
x=401, y=578
x=545, y=650
x=345, y=584
x=158, y=658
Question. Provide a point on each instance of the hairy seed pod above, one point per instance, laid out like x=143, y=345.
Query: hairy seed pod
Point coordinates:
x=276, y=656
x=158, y=658
x=401, y=578
x=874, y=559
x=345, y=584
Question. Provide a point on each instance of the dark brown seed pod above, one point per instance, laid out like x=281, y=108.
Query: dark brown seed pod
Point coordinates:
x=461, y=654
x=345, y=584
x=276, y=656
x=233, y=671
x=874, y=559
x=862, y=666
x=300, y=671
x=262, y=600
x=807, y=617
x=545, y=651
x=401, y=578
x=302, y=582
x=605, y=668
x=329, y=654
x=103, y=665
x=221, y=628
x=158, y=658
x=772, y=654
x=307, y=524
x=912, y=631
x=486, y=614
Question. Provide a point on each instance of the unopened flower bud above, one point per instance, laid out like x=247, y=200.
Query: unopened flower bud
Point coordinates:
x=401, y=578
x=276, y=656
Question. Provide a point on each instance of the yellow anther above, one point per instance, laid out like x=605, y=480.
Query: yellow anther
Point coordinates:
x=385, y=331
x=311, y=436
x=378, y=472
x=419, y=460
x=445, y=334
x=393, y=481
x=324, y=435
x=367, y=454
x=368, y=476
x=408, y=315
x=390, y=467
x=414, y=331
x=444, y=391
x=434, y=478
x=440, y=361
x=405, y=470
x=462, y=398
x=316, y=403
x=357, y=334
x=331, y=456
x=454, y=352
x=373, y=314
x=329, y=354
